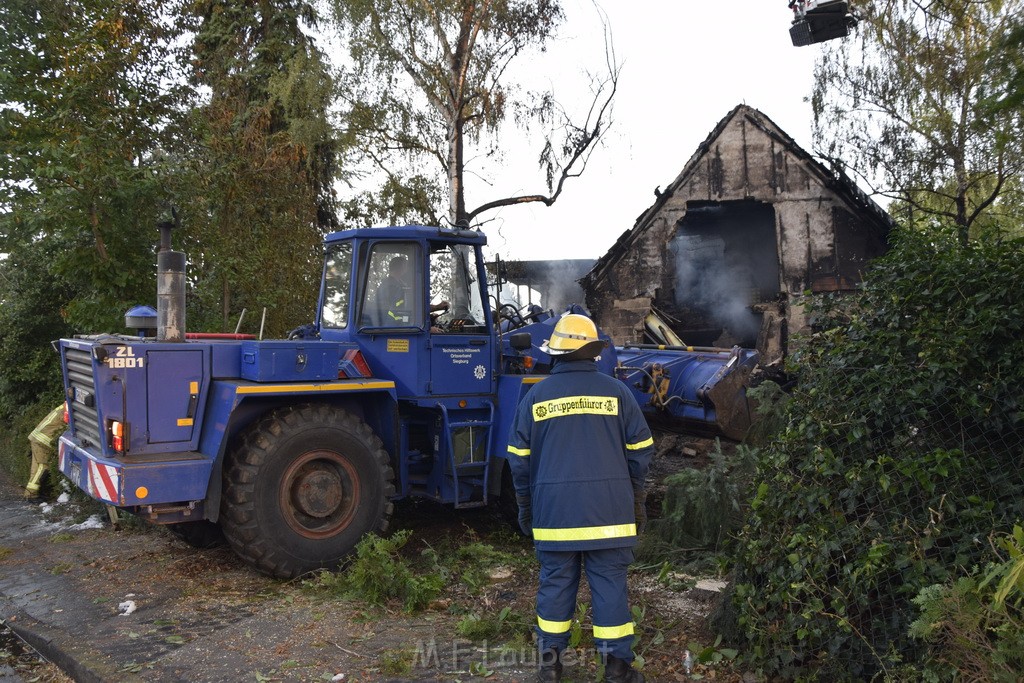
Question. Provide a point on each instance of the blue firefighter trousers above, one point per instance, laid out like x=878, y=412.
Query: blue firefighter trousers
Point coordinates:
x=556, y=598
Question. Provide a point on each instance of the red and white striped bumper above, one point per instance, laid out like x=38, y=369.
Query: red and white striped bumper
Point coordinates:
x=180, y=478
x=101, y=479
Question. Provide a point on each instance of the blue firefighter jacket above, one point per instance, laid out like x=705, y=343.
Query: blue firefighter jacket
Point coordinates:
x=578, y=447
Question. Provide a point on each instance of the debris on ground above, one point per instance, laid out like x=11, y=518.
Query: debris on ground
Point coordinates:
x=65, y=572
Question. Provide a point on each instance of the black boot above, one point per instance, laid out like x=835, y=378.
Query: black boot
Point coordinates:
x=550, y=669
x=620, y=671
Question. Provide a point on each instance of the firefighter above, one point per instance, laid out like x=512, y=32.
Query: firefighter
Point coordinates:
x=396, y=290
x=42, y=441
x=579, y=452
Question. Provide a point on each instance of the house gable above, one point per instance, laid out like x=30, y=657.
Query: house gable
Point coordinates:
x=825, y=228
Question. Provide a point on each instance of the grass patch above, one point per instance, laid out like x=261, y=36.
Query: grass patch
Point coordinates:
x=396, y=662
x=381, y=571
x=479, y=626
x=62, y=537
x=5, y=553
x=61, y=568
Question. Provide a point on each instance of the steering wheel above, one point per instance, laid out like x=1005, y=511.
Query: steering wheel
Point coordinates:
x=518, y=317
x=513, y=315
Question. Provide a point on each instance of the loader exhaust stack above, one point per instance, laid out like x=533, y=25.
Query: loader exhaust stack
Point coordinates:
x=170, y=288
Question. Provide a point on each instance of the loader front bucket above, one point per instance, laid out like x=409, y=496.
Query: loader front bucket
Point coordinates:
x=691, y=389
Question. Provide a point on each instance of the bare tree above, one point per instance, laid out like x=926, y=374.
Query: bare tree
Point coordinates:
x=428, y=76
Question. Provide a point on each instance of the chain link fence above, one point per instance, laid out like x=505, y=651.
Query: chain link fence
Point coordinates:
x=884, y=481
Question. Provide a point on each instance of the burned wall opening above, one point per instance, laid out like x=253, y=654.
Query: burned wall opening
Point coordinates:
x=726, y=261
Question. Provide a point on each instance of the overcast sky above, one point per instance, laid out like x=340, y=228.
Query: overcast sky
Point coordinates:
x=685, y=66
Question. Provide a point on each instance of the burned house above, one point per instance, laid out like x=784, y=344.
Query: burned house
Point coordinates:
x=750, y=224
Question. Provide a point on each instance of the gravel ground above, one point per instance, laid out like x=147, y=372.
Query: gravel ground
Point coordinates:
x=135, y=603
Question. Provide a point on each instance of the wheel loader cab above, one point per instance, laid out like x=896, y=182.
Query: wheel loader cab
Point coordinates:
x=414, y=300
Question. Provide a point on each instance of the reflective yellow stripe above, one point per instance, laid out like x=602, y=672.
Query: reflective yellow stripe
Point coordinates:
x=613, y=632
x=638, y=446
x=553, y=626
x=576, y=405
x=585, y=533
x=519, y=451
x=51, y=420
x=305, y=388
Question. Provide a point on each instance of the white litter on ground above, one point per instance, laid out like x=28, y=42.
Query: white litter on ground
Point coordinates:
x=64, y=497
x=126, y=607
x=93, y=522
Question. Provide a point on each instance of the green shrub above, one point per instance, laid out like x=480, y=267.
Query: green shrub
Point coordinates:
x=901, y=455
x=702, y=508
x=380, y=574
x=974, y=625
x=15, y=452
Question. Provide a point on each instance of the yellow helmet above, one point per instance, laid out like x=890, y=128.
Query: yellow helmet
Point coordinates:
x=576, y=334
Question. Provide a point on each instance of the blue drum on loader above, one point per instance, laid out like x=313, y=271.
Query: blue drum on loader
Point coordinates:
x=295, y=449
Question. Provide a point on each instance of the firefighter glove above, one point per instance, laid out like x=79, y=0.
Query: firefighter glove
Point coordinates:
x=525, y=516
x=640, y=509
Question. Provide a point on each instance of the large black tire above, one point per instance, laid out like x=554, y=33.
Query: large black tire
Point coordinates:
x=305, y=484
x=203, y=534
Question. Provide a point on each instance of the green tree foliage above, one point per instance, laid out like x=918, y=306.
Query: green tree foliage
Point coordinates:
x=101, y=129
x=902, y=454
x=429, y=80
x=1007, y=56
x=31, y=315
x=84, y=105
x=258, y=194
x=909, y=98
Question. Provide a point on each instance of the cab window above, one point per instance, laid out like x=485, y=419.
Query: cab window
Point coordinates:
x=394, y=286
x=453, y=278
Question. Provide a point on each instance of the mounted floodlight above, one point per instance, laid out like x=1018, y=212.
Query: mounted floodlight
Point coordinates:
x=816, y=22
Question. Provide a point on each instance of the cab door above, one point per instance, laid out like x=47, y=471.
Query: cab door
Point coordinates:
x=462, y=345
x=391, y=321
x=460, y=364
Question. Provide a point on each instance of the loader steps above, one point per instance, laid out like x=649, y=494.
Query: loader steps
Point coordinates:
x=468, y=464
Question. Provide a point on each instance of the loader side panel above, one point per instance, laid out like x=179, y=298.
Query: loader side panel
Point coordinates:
x=172, y=394
x=511, y=389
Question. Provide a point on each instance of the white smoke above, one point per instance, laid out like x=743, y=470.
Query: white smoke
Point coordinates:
x=562, y=288
x=711, y=282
